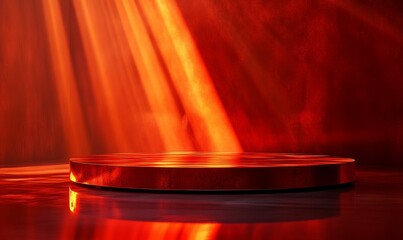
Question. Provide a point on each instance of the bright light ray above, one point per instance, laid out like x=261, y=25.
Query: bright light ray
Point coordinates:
x=154, y=82
x=205, y=231
x=122, y=111
x=205, y=112
x=69, y=102
x=210, y=124
x=117, y=229
x=72, y=200
x=98, y=64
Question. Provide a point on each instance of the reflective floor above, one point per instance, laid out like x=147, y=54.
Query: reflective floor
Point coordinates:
x=39, y=202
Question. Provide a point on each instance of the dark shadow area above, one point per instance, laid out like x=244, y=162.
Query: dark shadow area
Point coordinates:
x=223, y=207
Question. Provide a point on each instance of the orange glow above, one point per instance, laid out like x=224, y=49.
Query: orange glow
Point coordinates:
x=205, y=231
x=205, y=112
x=70, y=108
x=35, y=170
x=105, y=79
x=72, y=177
x=99, y=76
x=116, y=229
x=152, y=77
x=42, y=196
x=157, y=69
x=72, y=200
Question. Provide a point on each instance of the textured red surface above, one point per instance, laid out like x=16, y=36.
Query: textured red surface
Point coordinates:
x=307, y=76
x=321, y=77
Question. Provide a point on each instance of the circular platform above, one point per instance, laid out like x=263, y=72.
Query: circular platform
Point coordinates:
x=208, y=171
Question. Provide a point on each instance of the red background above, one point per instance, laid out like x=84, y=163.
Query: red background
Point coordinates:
x=322, y=77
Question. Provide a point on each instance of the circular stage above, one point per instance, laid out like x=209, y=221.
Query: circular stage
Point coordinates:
x=211, y=171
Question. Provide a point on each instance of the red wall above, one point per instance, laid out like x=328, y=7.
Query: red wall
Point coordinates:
x=320, y=77
x=307, y=76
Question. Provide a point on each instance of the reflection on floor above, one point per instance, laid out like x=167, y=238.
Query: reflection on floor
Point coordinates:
x=38, y=202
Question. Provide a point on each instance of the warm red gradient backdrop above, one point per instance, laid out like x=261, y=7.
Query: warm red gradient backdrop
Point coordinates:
x=278, y=76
